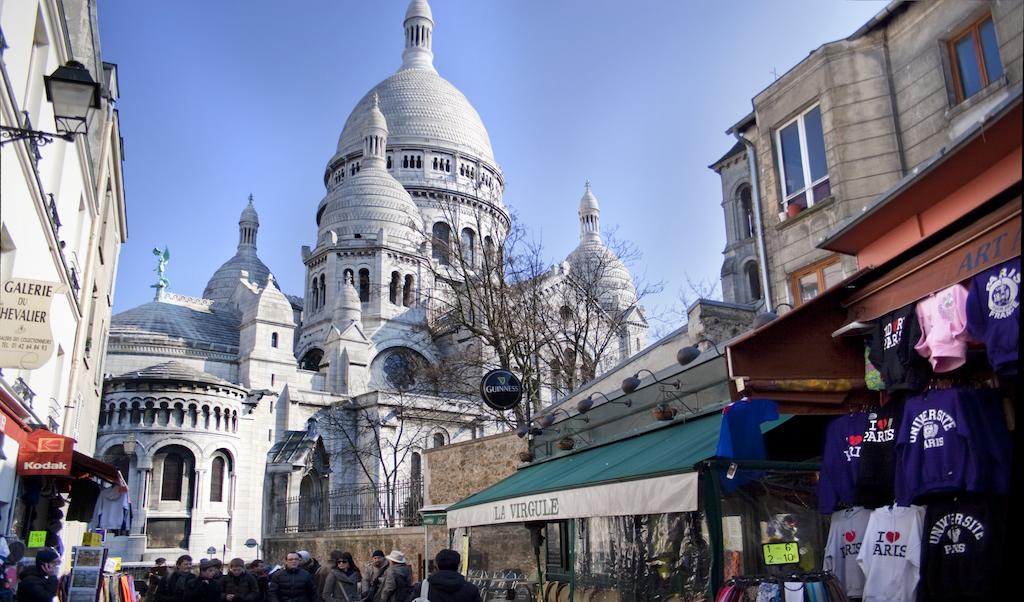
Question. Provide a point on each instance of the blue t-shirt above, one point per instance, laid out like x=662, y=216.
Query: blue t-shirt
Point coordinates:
x=993, y=314
x=840, y=461
x=741, y=436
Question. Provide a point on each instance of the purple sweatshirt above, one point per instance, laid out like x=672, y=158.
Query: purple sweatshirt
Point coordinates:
x=993, y=314
x=951, y=440
x=838, y=480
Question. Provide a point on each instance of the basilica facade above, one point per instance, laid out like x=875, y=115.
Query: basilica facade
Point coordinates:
x=221, y=408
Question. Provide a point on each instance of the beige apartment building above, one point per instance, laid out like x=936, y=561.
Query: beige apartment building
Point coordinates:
x=62, y=222
x=844, y=126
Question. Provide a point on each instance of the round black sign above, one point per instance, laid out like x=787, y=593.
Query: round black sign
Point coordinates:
x=501, y=390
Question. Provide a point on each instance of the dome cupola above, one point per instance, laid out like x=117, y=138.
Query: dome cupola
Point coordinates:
x=419, y=29
x=590, y=216
x=223, y=282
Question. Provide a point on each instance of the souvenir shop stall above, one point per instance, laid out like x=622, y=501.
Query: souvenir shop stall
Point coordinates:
x=913, y=360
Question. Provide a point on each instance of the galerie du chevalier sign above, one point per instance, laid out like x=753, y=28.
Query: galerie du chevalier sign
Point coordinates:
x=26, y=341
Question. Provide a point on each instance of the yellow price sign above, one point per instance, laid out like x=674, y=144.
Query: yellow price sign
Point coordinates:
x=781, y=553
x=92, y=540
x=36, y=539
x=116, y=560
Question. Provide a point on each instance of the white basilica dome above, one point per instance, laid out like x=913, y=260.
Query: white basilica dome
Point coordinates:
x=421, y=107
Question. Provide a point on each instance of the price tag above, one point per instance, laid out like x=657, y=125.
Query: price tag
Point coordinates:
x=92, y=540
x=781, y=553
x=36, y=539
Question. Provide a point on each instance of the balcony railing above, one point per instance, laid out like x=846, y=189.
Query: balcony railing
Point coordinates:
x=361, y=507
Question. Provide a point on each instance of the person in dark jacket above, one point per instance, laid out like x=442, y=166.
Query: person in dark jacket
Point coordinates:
x=173, y=587
x=447, y=585
x=258, y=569
x=238, y=585
x=320, y=577
x=371, y=574
x=308, y=563
x=396, y=582
x=39, y=583
x=291, y=584
x=204, y=588
x=343, y=583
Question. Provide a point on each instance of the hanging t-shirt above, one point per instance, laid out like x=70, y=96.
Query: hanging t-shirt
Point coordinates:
x=112, y=509
x=845, y=535
x=943, y=320
x=892, y=351
x=840, y=461
x=740, y=436
x=890, y=554
x=876, y=471
x=952, y=440
x=964, y=541
x=993, y=314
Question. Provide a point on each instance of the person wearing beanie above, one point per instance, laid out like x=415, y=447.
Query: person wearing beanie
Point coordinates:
x=447, y=584
x=204, y=588
x=320, y=576
x=239, y=585
x=308, y=563
x=343, y=583
x=38, y=582
x=371, y=574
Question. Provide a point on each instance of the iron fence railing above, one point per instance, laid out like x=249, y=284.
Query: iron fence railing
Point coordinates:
x=360, y=507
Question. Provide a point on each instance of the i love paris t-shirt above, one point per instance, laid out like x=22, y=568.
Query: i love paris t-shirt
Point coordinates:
x=845, y=536
x=890, y=554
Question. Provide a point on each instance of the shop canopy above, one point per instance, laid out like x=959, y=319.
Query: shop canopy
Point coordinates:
x=649, y=473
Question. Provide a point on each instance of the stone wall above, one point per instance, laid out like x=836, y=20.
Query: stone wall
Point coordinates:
x=455, y=472
x=360, y=543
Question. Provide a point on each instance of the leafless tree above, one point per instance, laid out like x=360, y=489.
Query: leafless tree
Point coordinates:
x=505, y=306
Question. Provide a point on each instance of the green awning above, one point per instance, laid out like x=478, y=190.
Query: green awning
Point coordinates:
x=653, y=470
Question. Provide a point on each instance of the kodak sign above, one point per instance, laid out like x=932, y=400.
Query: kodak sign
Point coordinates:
x=45, y=453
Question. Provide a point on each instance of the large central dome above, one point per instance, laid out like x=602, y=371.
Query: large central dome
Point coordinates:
x=421, y=107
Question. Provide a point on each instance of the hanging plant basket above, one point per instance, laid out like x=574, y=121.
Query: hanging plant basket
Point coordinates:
x=664, y=412
x=566, y=443
x=525, y=457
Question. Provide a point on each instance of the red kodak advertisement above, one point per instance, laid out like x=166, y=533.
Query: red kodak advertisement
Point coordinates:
x=45, y=453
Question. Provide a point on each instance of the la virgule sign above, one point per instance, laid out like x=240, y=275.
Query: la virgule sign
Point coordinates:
x=26, y=340
x=501, y=390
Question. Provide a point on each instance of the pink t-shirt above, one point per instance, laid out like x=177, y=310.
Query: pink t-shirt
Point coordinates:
x=943, y=320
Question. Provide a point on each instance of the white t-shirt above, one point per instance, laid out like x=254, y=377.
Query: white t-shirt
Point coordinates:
x=844, y=543
x=890, y=554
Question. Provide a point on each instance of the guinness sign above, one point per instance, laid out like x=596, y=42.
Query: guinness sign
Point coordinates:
x=501, y=390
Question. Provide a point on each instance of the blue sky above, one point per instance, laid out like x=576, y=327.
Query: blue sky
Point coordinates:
x=220, y=99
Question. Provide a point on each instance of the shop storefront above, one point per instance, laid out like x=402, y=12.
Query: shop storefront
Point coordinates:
x=656, y=516
x=45, y=483
x=917, y=354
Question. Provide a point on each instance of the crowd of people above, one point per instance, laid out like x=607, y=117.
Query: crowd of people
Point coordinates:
x=384, y=578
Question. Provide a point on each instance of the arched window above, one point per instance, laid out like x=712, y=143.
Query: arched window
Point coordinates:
x=364, y=285
x=405, y=161
x=172, y=477
x=396, y=282
x=314, y=289
x=407, y=291
x=419, y=162
x=415, y=467
x=347, y=277
x=468, y=241
x=753, y=280
x=440, y=244
x=746, y=213
x=389, y=161
x=323, y=291
x=273, y=339
x=435, y=163
x=117, y=456
x=217, y=470
x=311, y=360
x=438, y=439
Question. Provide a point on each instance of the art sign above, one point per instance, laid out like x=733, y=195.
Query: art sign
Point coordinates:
x=501, y=390
x=26, y=341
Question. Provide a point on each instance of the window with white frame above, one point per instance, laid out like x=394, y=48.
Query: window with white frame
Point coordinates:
x=803, y=170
